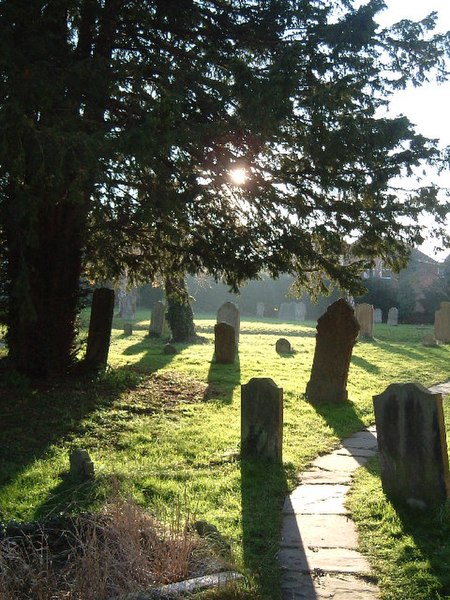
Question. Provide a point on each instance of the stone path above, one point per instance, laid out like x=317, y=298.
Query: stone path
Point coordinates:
x=319, y=556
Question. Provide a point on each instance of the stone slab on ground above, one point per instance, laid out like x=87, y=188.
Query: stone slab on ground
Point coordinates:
x=317, y=499
x=441, y=388
x=318, y=476
x=363, y=439
x=329, y=560
x=337, y=462
x=357, y=452
x=301, y=586
x=311, y=531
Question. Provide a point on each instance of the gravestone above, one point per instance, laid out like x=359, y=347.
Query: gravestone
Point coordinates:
x=364, y=316
x=261, y=419
x=229, y=313
x=224, y=343
x=412, y=445
x=283, y=346
x=127, y=329
x=287, y=311
x=429, y=341
x=158, y=320
x=337, y=331
x=99, y=335
x=392, y=316
x=260, y=309
x=81, y=465
x=377, y=316
x=299, y=311
x=442, y=323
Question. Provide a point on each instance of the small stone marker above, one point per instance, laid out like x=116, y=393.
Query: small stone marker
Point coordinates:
x=81, y=465
x=337, y=331
x=364, y=316
x=229, y=313
x=127, y=329
x=261, y=419
x=224, y=343
x=429, y=341
x=442, y=323
x=392, y=316
x=100, y=323
x=158, y=320
x=260, y=309
x=283, y=346
x=377, y=316
x=412, y=445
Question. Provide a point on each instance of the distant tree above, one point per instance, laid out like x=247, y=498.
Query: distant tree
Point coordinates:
x=381, y=293
x=122, y=120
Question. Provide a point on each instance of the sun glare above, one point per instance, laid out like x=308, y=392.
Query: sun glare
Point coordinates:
x=238, y=176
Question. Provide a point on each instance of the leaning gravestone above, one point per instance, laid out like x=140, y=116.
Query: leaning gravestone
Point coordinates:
x=442, y=323
x=261, y=419
x=392, y=316
x=283, y=346
x=81, y=465
x=377, y=316
x=260, y=309
x=158, y=320
x=100, y=323
x=224, y=343
x=229, y=313
x=364, y=316
x=412, y=445
x=337, y=331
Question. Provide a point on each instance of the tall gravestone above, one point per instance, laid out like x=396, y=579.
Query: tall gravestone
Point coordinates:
x=300, y=311
x=377, y=316
x=229, y=313
x=260, y=309
x=412, y=445
x=364, y=316
x=442, y=323
x=158, y=320
x=392, y=316
x=337, y=331
x=261, y=419
x=100, y=323
x=224, y=343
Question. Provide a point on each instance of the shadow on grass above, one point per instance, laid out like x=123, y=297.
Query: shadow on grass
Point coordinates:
x=341, y=417
x=263, y=492
x=364, y=364
x=223, y=379
x=430, y=531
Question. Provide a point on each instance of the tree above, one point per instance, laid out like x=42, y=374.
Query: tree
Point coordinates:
x=121, y=121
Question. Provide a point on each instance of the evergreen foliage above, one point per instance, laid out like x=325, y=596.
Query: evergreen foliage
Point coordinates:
x=121, y=121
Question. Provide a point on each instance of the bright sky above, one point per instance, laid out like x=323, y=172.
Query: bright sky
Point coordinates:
x=427, y=107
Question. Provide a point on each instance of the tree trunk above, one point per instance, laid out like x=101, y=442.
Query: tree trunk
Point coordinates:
x=179, y=311
x=44, y=268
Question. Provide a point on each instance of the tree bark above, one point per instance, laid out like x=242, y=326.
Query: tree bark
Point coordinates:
x=179, y=311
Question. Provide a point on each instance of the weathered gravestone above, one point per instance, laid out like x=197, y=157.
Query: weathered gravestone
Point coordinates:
x=229, y=313
x=337, y=331
x=158, y=320
x=442, y=323
x=127, y=329
x=412, y=445
x=260, y=309
x=283, y=346
x=364, y=316
x=392, y=316
x=299, y=311
x=429, y=341
x=287, y=311
x=100, y=323
x=377, y=316
x=81, y=465
x=224, y=343
x=261, y=419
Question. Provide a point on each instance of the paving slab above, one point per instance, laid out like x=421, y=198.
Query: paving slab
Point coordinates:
x=362, y=439
x=301, y=586
x=312, y=531
x=357, y=452
x=317, y=499
x=337, y=462
x=331, y=560
x=317, y=476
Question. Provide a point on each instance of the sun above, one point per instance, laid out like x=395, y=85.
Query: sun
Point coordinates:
x=238, y=176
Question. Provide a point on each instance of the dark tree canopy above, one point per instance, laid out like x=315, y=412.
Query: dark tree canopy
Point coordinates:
x=122, y=119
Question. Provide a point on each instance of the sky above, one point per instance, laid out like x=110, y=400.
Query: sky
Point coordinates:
x=428, y=107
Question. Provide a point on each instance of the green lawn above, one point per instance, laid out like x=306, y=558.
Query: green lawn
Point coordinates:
x=172, y=440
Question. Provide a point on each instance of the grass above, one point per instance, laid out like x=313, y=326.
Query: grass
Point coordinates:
x=167, y=429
